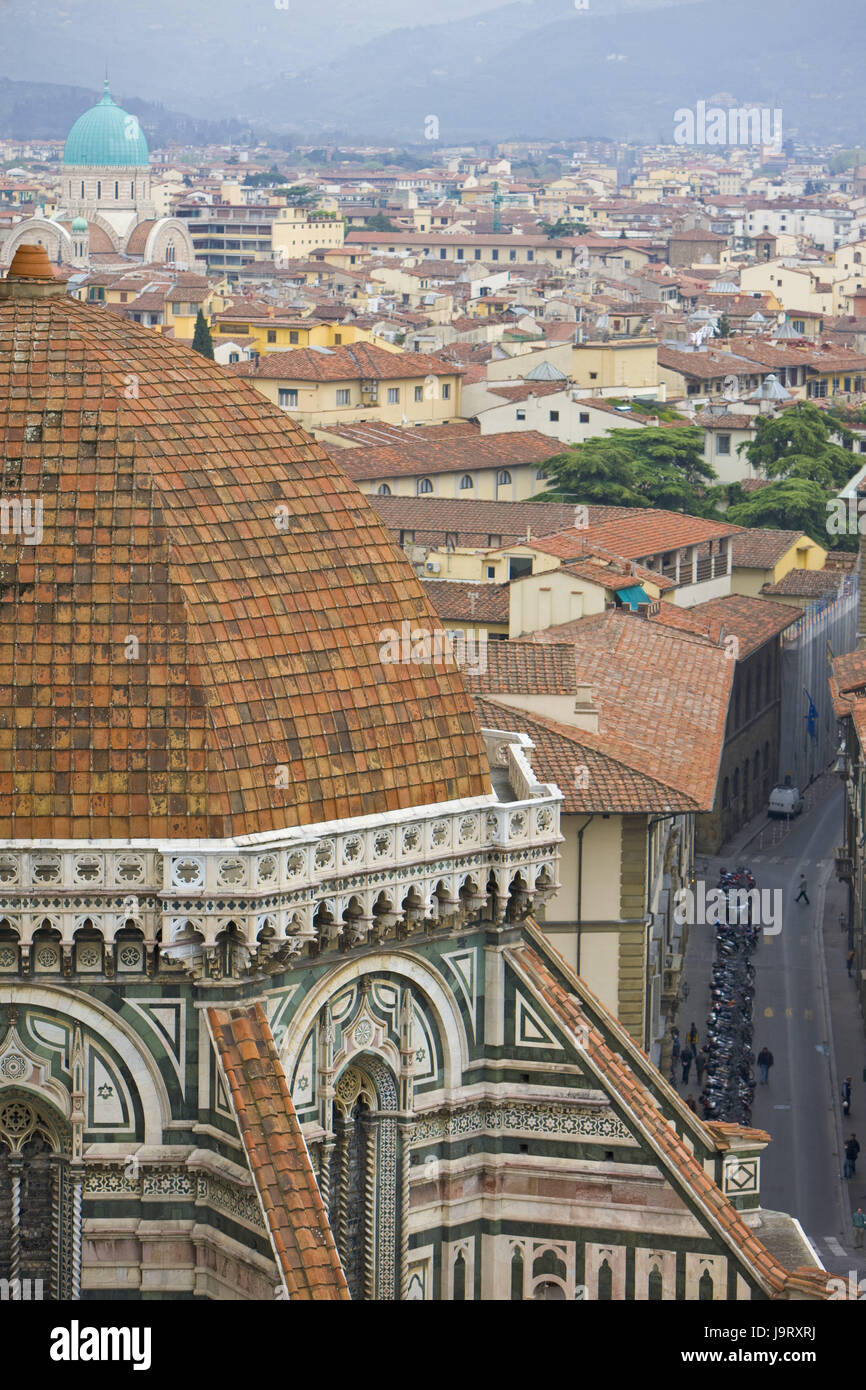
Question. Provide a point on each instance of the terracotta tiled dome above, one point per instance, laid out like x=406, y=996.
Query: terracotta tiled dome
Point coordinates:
x=193, y=648
x=30, y=262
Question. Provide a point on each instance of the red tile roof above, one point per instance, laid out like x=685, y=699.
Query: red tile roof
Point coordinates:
x=277, y=1154
x=705, y=365
x=360, y=361
x=432, y=518
x=638, y=534
x=593, y=771
x=465, y=600
x=613, y=573
x=761, y=549
x=806, y=583
x=662, y=696
x=753, y=621
x=444, y=449
x=195, y=516
x=525, y=666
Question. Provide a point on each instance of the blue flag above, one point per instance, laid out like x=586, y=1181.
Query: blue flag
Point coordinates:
x=812, y=716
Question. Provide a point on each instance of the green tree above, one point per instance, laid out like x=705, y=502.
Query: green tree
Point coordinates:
x=299, y=195
x=790, y=504
x=723, y=327
x=847, y=159
x=598, y=471
x=380, y=223
x=797, y=443
x=649, y=467
x=201, y=338
x=562, y=227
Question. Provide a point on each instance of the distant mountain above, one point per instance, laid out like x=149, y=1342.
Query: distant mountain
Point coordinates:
x=321, y=69
x=550, y=69
x=43, y=110
x=197, y=55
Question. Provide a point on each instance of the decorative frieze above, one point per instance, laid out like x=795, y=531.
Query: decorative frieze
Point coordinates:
x=561, y=1121
x=137, y=1181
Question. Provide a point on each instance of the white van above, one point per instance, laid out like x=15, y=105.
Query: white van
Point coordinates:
x=785, y=801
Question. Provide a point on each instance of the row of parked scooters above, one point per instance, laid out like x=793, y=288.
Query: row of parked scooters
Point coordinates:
x=730, y=1081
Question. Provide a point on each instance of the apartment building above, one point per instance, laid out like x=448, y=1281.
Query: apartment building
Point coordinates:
x=331, y=386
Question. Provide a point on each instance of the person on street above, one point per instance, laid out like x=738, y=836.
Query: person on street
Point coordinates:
x=700, y=1065
x=859, y=1219
x=686, y=1062
x=692, y=1104
x=765, y=1061
x=849, y=961
x=852, y=1149
x=675, y=1045
x=802, y=893
x=846, y=1096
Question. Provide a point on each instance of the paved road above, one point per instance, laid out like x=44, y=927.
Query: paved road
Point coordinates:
x=800, y=1171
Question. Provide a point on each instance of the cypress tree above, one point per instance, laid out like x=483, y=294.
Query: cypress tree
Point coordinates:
x=201, y=338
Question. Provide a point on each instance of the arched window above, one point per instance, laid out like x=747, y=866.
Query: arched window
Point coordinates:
x=655, y=1286
x=38, y=1198
x=605, y=1283
x=365, y=1137
x=424, y=485
x=549, y=1275
x=459, y=1279
x=116, y=190
x=383, y=490
x=736, y=784
x=503, y=478
x=99, y=188
x=466, y=481
x=705, y=1287
x=132, y=189
x=517, y=1274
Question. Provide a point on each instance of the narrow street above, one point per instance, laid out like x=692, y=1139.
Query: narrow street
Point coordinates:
x=801, y=1169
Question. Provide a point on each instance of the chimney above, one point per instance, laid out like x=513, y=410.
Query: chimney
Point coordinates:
x=585, y=712
x=30, y=276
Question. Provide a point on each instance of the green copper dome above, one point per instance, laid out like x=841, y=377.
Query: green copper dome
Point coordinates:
x=79, y=224
x=106, y=135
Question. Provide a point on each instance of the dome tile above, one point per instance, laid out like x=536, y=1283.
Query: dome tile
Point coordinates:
x=258, y=648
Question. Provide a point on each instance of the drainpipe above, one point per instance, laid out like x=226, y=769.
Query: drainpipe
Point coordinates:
x=580, y=886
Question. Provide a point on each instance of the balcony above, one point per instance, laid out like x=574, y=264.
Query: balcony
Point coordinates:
x=844, y=864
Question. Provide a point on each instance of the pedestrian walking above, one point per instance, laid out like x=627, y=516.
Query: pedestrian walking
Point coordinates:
x=846, y=1096
x=700, y=1065
x=852, y=1149
x=859, y=1219
x=675, y=1045
x=802, y=893
x=849, y=961
x=686, y=1062
x=692, y=1037
x=692, y=1104
x=765, y=1061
